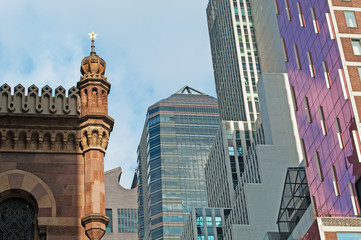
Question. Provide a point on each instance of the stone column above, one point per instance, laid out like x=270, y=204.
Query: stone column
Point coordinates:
x=96, y=126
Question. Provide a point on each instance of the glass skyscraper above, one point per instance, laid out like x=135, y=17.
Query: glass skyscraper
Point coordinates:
x=176, y=141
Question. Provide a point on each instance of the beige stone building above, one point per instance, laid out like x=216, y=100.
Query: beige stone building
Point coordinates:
x=121, y=207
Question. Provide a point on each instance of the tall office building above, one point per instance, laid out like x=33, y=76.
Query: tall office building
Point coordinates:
x=176, y=140
x=235, y=59
x=254, y=195
x=322, y=49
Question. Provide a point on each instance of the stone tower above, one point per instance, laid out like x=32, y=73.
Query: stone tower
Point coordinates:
x=52, y=147
x=95, y=125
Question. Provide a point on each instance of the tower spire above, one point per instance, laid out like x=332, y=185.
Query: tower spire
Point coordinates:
x=93, y=36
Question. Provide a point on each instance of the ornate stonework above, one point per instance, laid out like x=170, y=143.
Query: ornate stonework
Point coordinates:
x=94, y=137
x=341, y=222
x=46, y=103
x=52, y=149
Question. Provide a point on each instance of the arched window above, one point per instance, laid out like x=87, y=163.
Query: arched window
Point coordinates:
x=16, y=219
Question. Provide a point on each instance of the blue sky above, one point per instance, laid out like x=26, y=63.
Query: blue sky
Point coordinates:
x=152, y=49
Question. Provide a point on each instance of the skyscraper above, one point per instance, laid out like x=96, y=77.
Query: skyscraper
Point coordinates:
x=253, y=195
x=176, y=140
x=322, y=49
x=235, y=59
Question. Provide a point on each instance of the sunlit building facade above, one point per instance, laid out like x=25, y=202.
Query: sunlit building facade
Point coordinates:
x=235, y=59
x=179, y=132
x=322, y=49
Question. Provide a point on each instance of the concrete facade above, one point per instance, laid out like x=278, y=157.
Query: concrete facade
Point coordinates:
x=118, y=198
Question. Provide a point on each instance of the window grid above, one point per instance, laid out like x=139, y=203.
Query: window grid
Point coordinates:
x=127, y=220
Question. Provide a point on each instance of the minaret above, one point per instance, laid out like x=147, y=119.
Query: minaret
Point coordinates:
x=96, y=126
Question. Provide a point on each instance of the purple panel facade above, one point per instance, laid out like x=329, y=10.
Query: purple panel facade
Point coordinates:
x=322, y=48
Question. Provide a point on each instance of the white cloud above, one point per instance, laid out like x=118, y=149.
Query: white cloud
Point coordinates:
x=152, y=49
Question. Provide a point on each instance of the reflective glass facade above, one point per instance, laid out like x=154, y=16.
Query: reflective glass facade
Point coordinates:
x=205, y=223
x=127, y=220
x=108, y=213
x=325, y=115
x=179, y=133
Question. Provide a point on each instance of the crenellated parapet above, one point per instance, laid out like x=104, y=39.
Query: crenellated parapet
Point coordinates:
x=45, y=103
x=22, y=139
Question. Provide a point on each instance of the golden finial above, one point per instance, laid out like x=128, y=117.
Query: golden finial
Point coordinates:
x=93, y=36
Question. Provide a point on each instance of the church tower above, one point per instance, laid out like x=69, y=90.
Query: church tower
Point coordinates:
x=95, y=125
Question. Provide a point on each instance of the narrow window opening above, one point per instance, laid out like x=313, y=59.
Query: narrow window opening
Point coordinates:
x=295, y=105
x=331, y=29
x=335, y=181
x=285, y=53
x=315, y=21
x=310, y=64
x=339, y=133
x=307, y=107
x=277, y=7
x=343, y=83
x=356, y=140
x=314, y=206
x=318, y=165
x=326, y=74
x=297, y=56
x=322, y=120
x=300, y=14
x=304, y=152
x=355, y=206
x=288, y=10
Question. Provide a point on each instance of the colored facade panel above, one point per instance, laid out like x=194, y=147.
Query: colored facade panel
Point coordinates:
x=334, y=149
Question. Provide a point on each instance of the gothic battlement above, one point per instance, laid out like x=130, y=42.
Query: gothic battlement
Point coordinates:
x=45, y=104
